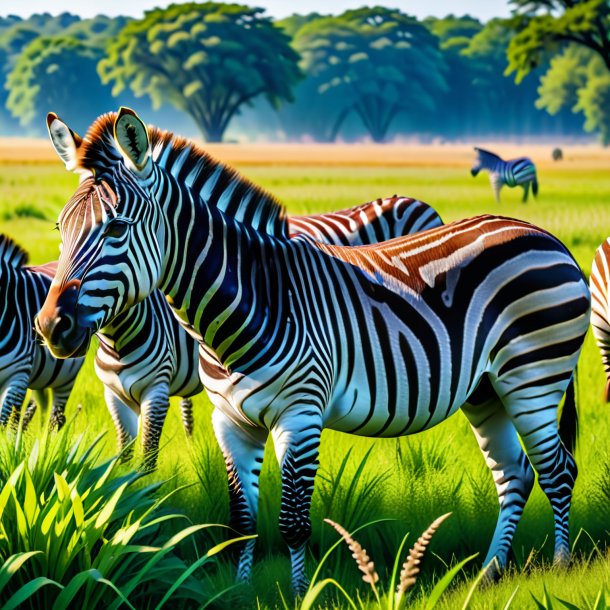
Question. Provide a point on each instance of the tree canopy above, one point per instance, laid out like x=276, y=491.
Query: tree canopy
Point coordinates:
x=575, y=36
x=49, y=74
x=372, y=71
x=375, y=62
x=546, y=26
x=206, y=59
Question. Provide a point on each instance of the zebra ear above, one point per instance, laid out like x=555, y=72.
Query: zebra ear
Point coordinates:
x=131, y=136
x=64, y=140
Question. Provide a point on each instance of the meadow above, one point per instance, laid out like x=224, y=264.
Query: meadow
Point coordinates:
x=406, y=482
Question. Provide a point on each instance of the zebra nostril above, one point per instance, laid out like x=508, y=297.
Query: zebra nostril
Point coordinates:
x=64, y=326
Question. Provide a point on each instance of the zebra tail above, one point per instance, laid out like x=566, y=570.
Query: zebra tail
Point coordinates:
x=535, y=186
x=568, y=423
x=607, y=391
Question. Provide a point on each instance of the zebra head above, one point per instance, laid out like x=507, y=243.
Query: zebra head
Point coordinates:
x=110, y=229
x=477, y=166
x=484, y=160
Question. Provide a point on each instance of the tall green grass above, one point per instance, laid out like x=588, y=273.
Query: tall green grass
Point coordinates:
x=406, y=481
x=79, y=531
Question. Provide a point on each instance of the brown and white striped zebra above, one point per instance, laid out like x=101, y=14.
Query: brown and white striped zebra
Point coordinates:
x=486, y=314
x=600, y=307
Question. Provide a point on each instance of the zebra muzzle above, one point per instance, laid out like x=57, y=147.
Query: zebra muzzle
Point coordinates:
x=57, y=322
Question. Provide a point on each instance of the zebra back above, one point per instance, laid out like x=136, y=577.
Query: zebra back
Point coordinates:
x=368, y=223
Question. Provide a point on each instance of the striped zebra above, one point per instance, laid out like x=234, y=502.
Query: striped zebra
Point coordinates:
x=487, y=314
x=600, y=307
x=514, y=172
x=24, y=361
x=145, y=356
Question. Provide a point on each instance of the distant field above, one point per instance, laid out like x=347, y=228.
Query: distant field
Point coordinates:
x=420, y=477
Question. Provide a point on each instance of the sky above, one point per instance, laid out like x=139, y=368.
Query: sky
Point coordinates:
x=483, y=9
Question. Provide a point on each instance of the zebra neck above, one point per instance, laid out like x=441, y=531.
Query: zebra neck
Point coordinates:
x=231, y=296
x=121, y=331
x=220, y=186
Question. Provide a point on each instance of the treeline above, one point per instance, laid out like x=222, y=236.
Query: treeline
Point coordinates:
x=230, y=71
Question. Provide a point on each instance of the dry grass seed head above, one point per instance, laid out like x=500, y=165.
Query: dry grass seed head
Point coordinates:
x=365, y=565
x=411, y=567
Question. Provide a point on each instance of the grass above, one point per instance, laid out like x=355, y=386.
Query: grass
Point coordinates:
x=408, y=481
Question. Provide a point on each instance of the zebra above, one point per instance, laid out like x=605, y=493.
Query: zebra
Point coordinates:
x=145, y=356
x=599, y=283
x=514, y=172
x=487, y=314
x=24, y=362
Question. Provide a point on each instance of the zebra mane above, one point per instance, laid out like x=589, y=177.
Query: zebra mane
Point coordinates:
x=487, y=154
x=12, y=253
x=214, y=182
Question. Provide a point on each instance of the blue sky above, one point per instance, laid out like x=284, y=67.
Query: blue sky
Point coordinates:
x=483, y=9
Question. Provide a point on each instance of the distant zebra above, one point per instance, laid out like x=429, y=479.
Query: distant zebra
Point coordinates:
x=600, y=307
x=514, y=172
x=24, y=361
x=488, y=314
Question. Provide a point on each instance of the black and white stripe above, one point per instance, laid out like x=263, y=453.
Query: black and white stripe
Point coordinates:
x=514, y=172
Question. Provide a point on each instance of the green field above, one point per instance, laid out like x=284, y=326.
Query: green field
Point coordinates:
x=412, y=480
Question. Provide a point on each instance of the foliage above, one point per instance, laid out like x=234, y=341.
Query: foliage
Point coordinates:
x=47, y=75
x=545, y=26
x=375, y=62
x=206, y=59
x=15, y=35
x=75, y=532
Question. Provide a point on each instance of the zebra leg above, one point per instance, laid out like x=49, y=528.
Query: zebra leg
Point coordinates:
x=533, y=411
x=28, y=414
x=496, y=185
x=243, y=449
x=40, y=399
x=12, y=400
x=297, y=441
x=511, y=470
x=155, y=404
x=125, y=422
x=186, y=409
x=526, y=190
x=58, y=407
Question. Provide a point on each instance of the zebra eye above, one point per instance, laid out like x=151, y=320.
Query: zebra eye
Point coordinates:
x=116, y=228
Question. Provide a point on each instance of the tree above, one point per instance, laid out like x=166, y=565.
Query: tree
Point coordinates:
x=15, y=35
x=463, y=97
x=206, y=59
x=374, y=62
x=576, y=35
x=547, y=26
x=578, y=80
x=56, y=73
